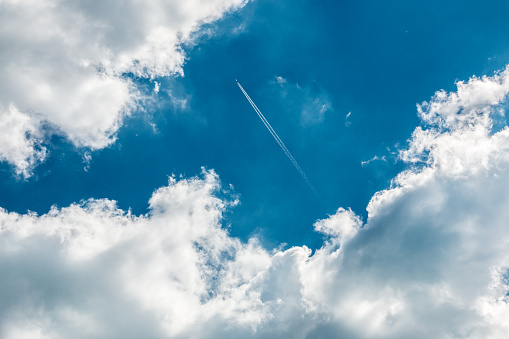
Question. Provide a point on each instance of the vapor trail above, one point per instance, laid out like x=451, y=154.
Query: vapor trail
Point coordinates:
x=278, y=140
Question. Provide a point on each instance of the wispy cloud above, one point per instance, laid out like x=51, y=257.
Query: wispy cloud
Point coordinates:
x=375, y=158
x=348, y=122
x=311, y=101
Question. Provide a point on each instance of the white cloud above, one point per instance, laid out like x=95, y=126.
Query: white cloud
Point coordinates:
x=280, y=81
x=431, y=261
x=375, y=158
x=348, y=122
x=20, y=141
x=62, y=62
x=344, y=224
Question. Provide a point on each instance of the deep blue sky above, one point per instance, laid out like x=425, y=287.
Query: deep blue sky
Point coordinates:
x=374, y=59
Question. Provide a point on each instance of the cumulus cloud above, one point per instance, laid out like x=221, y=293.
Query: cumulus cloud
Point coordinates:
x=21, y=141
x=431, y=260
x=64, y=63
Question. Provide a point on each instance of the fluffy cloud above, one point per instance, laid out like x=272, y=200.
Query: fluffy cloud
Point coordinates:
x=20, y=140
x=63, y=65
x=432, y=259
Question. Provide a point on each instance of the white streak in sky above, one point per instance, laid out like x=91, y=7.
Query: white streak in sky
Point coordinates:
x=279, y=141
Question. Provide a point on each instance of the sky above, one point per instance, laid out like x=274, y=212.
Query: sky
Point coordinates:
x=142, y=196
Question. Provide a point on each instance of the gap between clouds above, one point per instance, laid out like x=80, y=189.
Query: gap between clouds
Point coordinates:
x=311, y=100
x=431, y=260
x=64, y=66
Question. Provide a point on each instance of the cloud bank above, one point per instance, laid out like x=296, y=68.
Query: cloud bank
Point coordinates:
x=431, y=261
x=63, y=66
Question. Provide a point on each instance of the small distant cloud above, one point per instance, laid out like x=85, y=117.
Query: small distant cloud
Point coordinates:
x=241, y=28
x=375, y=158
x=157, y=86
x=311, y=100
x=179, y=97
x=347, y=122
x=314, y=110
x=87, y=159
x=280, y=80
x=178, y=102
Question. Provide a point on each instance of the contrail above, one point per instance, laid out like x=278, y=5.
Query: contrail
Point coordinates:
x=279, y=141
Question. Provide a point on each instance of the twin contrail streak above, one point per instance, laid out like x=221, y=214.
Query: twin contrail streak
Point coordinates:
x=278, y=140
